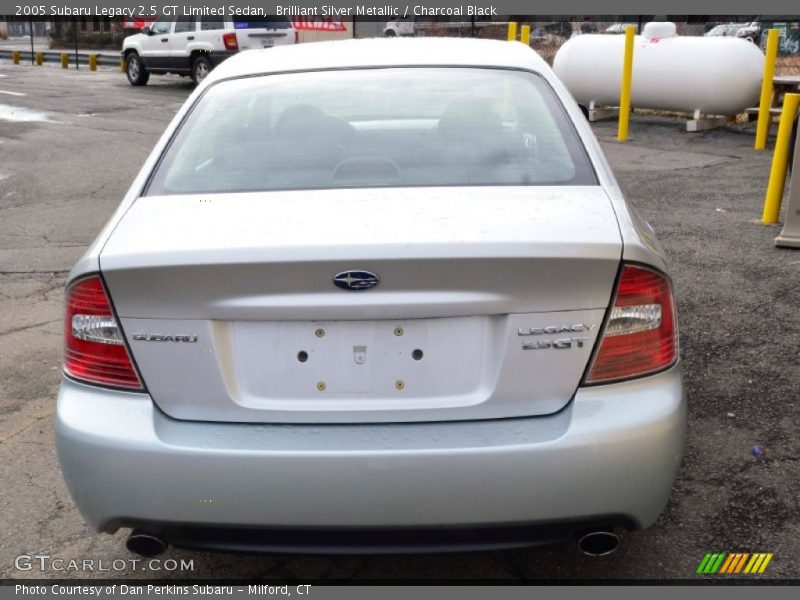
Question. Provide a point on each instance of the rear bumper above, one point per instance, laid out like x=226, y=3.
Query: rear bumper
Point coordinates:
x=218, y=56
x=375, y=540
x=609, y=457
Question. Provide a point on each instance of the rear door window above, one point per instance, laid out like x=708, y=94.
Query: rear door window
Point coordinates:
x=185, y=25
x=211, y=24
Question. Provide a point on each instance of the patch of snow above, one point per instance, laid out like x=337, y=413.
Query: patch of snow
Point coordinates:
x=24, y=115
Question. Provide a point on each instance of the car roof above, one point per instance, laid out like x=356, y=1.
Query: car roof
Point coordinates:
x=381, y=52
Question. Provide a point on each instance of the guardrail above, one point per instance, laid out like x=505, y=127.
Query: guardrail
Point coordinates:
x=107, y=59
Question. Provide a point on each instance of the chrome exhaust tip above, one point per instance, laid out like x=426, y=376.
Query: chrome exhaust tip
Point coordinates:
x=145, y=544
x=598, y=543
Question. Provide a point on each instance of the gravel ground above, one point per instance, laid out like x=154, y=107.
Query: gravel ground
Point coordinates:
x=738, y=299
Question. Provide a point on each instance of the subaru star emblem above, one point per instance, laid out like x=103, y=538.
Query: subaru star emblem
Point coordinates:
x=356, y=280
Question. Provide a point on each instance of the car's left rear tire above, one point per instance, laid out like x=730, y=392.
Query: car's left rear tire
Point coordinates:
x=201, y=67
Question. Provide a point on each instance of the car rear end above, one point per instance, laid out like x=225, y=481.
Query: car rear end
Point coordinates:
x=257, y=33
x=422, y=331
x=248, y=33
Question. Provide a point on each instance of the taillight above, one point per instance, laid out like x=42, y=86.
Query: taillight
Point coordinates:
x=229, y=39
x=94, y=350
x=296, y=36
x=640, y=336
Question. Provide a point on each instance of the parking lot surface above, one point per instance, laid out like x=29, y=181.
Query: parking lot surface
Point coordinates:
x=71, y=143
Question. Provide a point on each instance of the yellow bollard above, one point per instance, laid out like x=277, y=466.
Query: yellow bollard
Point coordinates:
x=512, y=31
x=121, y=65
x=625, y=87
x=15, y=57
x=780, y=160
x=39, y=58
x=525, y=34
x=93, y=62
x=762, y=127
x=64, y=60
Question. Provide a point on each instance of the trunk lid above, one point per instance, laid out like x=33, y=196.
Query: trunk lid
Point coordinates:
x=488, y=306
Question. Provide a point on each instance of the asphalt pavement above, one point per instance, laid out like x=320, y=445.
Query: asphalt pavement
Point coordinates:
x=70, y=145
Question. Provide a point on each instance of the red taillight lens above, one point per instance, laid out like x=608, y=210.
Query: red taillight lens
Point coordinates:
x=229, y=39
x=641, y=335
x=94, y=350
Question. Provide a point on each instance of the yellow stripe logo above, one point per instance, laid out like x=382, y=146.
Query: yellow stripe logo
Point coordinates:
x=732, y=563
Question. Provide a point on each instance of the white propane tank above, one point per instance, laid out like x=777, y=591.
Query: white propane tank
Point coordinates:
x=713, y=75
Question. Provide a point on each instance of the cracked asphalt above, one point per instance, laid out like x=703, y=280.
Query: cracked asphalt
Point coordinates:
x=66, y=162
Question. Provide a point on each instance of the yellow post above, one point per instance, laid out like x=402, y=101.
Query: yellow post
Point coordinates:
x=15, y=57
x=121, y=65
x=93, y=62
x=39, y=58
x=780, y=160
x=625, y=87
x=762, y=127
x=64, y=60
x=525, y=34
x=512, y=31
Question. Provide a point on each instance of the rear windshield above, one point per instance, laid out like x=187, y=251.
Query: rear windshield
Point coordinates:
x=263, y=23
x=394, y=127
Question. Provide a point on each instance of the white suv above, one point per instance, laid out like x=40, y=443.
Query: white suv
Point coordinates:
x=401, y=27
x=192, y=46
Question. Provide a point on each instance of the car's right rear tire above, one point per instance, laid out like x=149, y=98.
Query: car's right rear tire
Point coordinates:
x=135, y=70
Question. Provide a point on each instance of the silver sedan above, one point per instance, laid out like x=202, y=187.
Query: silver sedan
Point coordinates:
x=373, y=295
